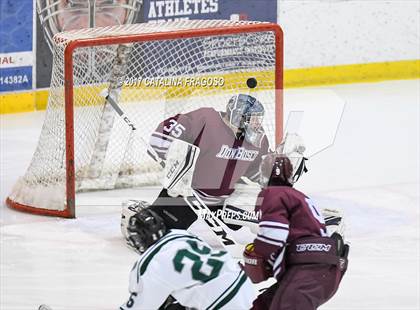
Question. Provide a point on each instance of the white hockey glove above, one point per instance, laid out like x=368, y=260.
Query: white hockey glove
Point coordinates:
x=128, y=209
x=334, y=222
x=179, y=168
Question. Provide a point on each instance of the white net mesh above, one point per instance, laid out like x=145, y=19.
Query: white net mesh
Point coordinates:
x=152, y=80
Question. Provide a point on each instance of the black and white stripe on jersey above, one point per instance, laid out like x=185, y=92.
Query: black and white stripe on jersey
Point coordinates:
x=229, y=293
x=273, y=233
x=152, y=251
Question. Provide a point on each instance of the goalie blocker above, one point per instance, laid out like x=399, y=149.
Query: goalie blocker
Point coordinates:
x=179, y=167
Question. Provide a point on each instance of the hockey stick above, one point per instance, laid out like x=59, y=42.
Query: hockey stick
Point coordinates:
x=119, y=68
x=152, y=153
x=196, y=203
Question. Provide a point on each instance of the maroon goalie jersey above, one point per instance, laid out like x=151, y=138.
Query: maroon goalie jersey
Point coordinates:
x=286, y=216
x=223, y=158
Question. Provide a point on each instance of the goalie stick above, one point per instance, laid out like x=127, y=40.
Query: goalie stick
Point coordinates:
x=202, y=211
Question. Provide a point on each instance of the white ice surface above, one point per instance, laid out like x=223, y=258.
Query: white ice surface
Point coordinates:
x=371, y=173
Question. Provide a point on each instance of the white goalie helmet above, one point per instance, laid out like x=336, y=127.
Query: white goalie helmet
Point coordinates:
x=62, y=15
x=245, y=114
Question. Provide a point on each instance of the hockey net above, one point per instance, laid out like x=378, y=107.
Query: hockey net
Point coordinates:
x=154, y=71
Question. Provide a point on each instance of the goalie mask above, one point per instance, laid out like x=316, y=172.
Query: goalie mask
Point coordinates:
x=62, y=15
x=144, y=229
x=278, y=170
x=245, y=113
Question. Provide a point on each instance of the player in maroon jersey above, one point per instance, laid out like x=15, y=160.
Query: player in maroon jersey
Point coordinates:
x=292, y=244
x=231, y=146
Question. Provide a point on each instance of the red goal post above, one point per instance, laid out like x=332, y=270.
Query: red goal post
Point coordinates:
x=83, y=146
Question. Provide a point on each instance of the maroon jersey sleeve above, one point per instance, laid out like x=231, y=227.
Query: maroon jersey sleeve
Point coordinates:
x=253, y=171
x=186, y=127
x=273, y=223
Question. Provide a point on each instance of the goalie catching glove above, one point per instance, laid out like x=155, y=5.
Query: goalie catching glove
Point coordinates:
x=255, y=267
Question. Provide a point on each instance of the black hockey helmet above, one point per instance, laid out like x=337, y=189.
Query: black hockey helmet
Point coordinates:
x=276, y=170
x=145, y=228
x=246, y=113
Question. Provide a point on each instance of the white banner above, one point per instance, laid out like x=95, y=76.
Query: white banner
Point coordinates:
x=17, y=59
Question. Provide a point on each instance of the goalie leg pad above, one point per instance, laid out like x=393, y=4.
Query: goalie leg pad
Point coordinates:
x=175, y=211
